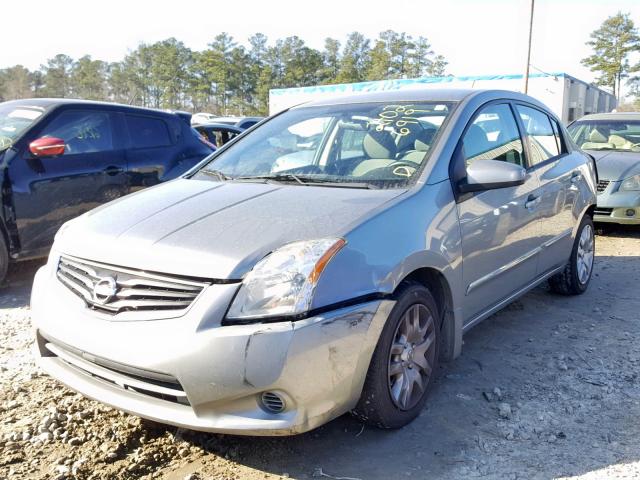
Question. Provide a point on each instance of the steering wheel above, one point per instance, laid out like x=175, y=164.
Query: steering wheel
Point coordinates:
x=403, y=168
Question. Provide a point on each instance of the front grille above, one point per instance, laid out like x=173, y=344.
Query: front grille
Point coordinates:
x=602, y=185
x=116, y=290
x=153, y=384
x=603, y=211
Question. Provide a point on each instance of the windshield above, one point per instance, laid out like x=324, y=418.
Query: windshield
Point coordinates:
x=623, y=135
x=14, y=120
x=375, y=145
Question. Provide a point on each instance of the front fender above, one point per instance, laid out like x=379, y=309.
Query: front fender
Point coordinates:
x=420, y=231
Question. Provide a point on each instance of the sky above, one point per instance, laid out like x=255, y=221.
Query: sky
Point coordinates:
x=477, y=37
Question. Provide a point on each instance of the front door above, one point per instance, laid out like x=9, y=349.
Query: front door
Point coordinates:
x=48, y=191
x=499, y=227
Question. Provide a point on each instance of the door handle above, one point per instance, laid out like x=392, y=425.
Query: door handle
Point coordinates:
x=576, y=177
x=113, y=170
x=532, y=201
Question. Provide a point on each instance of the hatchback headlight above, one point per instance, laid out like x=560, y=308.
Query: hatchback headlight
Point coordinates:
x=282, y=283
x=631, y=184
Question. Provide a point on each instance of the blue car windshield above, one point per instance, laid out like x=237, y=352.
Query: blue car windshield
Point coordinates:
x=14, y=121
x=614, y=134
x=378, y=145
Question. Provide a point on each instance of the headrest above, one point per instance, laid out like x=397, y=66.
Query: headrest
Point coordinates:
x=379, y=144
x=596, y=136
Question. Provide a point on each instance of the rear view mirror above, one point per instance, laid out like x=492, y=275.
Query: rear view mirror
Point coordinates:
x=47, y=147
x=491, y=174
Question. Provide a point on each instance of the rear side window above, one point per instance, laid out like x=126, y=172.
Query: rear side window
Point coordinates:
x=542, y=137
x=82, y=131
x=147, y=132
x=493, y=135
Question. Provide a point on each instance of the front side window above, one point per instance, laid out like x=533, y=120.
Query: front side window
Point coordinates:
x=81, y=131
x=493, y=135
x=622, y=135
x=368, y=144
x=14, y=121
x=543, y=141
x=147, y=132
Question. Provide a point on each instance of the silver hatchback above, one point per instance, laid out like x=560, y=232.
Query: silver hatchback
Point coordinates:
x=324, y=263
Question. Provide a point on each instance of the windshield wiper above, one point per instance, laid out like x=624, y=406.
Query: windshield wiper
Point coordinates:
x=277, y=177
x=331, y=183
x=216, y=173
x=306, y=181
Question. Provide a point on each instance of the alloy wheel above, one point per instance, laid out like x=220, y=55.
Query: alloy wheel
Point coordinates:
x=584, y=258
x=412, y=356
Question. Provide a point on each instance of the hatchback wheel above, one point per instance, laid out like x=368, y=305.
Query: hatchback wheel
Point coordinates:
x=404, y=362
x=575, y=277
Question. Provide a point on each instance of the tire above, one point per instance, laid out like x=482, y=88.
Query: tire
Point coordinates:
x=574, y=279
x=384, y=403
x=4, y=259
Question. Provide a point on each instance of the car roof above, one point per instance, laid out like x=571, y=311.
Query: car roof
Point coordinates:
x=418, y=95
x=218, y=125
x=612, y=116
x=49, y=103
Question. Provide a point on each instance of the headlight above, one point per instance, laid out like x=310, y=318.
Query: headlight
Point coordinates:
x=283, y=282
x=631, y=184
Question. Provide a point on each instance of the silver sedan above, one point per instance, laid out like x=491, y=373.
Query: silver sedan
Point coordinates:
x=323, y=263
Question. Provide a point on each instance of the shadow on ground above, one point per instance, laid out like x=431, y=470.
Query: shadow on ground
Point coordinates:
x=16, y=289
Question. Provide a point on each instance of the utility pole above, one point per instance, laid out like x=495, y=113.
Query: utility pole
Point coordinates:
x=526, y=73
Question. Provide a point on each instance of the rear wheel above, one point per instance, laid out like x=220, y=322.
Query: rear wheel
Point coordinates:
x=575, y=278
x=404, y=363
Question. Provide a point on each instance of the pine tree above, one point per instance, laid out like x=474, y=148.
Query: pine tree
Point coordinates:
x=612, y=44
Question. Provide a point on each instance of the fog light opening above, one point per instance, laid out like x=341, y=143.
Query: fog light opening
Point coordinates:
x=630, y=212
x=272, y=402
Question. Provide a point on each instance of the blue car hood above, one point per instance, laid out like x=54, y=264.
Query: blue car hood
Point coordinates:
x=213, y=229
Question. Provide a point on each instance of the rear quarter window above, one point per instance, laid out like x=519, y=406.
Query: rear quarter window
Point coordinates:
x=147, y=132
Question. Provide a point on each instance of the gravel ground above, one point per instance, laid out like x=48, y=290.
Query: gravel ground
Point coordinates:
x=547, y=388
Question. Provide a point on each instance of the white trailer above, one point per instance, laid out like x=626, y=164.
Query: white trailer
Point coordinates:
x=567, y=96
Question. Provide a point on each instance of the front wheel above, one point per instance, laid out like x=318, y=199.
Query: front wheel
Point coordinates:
x=575, y=278
x=404, y=363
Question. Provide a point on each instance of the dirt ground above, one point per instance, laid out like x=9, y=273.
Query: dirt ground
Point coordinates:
x=547, y=388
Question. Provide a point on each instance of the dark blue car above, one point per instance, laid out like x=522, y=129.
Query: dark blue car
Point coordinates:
x=60, y=158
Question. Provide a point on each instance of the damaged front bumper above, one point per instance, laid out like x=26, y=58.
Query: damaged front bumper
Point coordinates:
x=193, y=373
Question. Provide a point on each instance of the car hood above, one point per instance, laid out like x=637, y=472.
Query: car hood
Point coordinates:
x=213, y=229
x=616, y=165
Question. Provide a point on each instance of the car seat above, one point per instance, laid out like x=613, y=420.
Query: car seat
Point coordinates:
x=381, y=150
x=421, y=146
x=598, y=139
x=475, y=143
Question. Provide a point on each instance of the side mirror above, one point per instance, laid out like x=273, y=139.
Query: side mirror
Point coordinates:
x=491, y=174
x=47, y=147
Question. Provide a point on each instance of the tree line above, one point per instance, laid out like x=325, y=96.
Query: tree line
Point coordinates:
x=227, y=77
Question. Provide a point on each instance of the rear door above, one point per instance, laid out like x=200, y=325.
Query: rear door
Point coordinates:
x=500, y=228
x=48, y=191
x=559, y=176
x=152, y=150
